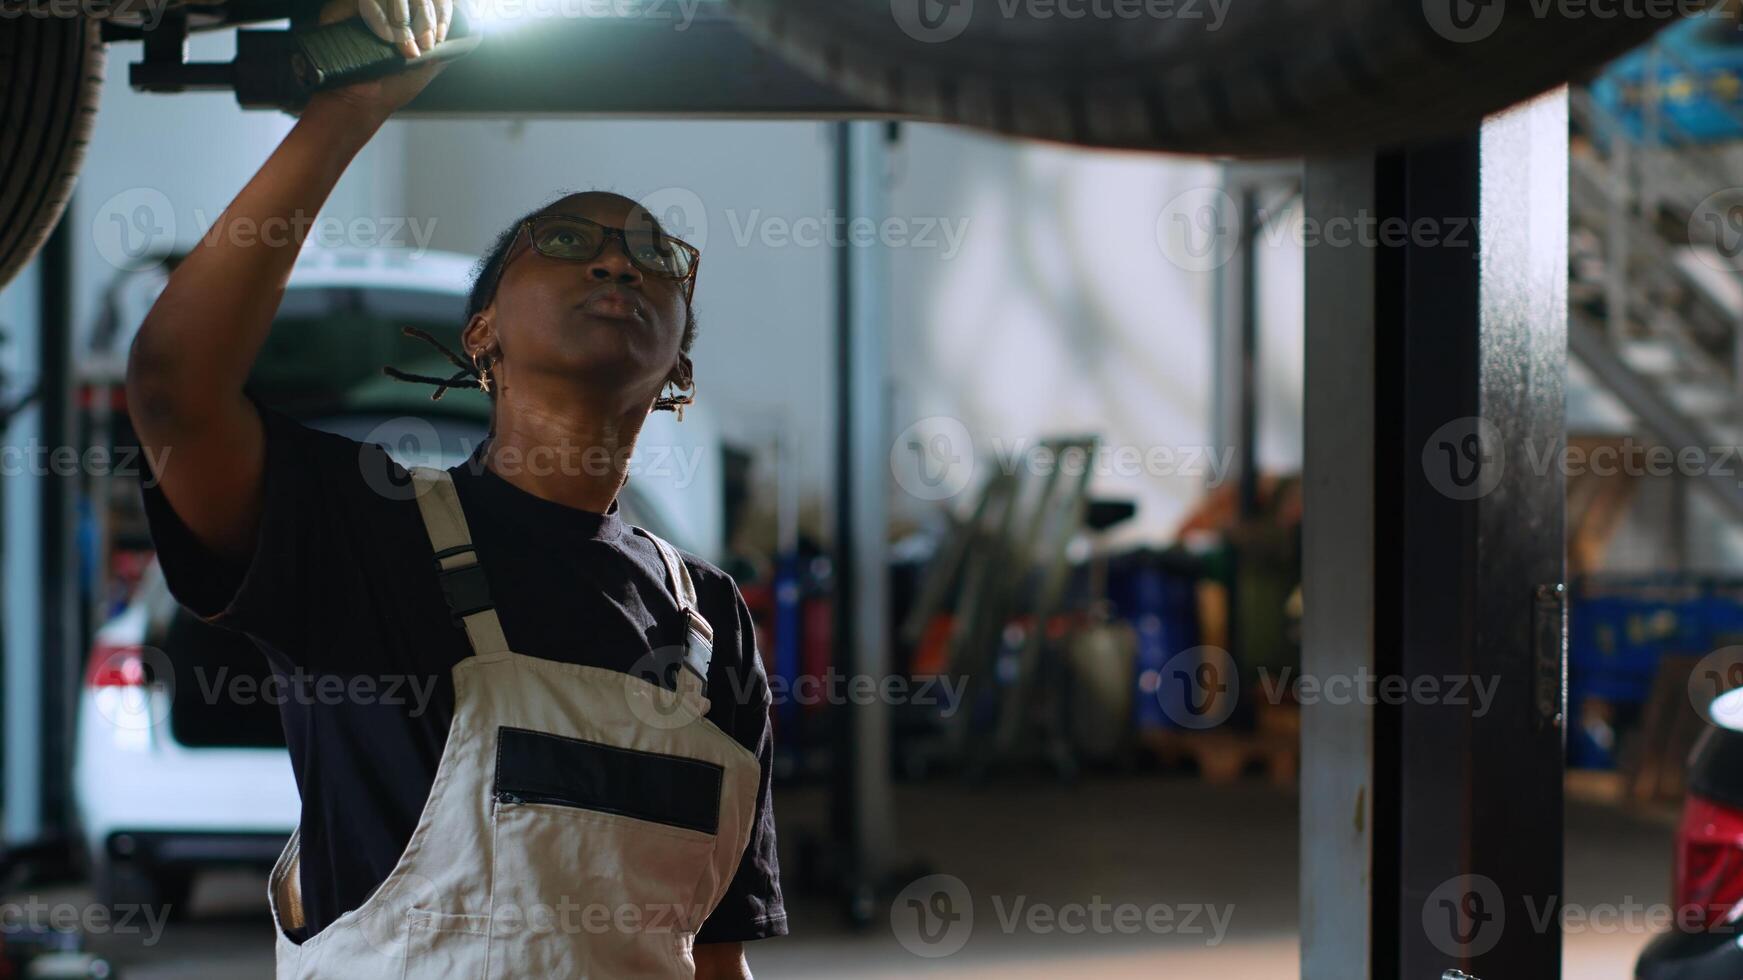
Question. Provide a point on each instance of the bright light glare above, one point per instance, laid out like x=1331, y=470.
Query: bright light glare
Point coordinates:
x=497, y=16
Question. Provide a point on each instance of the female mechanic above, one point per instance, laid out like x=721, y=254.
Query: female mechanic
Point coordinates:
x=585, y=790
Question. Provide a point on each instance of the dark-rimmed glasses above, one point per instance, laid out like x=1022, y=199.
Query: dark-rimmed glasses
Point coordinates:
x=572, y=238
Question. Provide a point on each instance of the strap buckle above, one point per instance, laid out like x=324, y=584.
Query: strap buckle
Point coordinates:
x=699, y=648
x=464, y=587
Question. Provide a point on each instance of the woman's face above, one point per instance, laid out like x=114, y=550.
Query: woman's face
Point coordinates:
x=603, y=323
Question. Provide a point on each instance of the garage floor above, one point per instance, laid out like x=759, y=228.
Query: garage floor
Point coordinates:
x=1143, y=841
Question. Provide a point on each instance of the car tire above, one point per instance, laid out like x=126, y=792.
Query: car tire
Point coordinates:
x=1278, y=78
x=51, y=73
x=125, y=885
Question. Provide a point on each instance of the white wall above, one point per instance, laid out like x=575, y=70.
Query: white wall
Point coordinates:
x=1282, y=276
x=1060, y=313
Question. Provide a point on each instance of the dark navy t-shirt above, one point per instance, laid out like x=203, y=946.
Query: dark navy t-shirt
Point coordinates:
x=342, y=597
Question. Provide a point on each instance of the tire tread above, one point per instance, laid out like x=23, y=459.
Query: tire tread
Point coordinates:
x=1288, y=77
x=51, y=77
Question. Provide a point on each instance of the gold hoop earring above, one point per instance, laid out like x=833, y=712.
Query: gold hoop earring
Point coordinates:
x=676, y=402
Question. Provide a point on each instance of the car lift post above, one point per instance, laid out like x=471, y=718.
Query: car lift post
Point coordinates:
x=862, y=818
x=1431, y=827
x=38, y=652
x=1254, y=196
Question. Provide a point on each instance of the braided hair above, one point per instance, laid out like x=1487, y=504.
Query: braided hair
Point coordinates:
x=485, y=276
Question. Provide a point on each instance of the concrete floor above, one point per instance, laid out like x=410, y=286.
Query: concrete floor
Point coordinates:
x=1144, y=842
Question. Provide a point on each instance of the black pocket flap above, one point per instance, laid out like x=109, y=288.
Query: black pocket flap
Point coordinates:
x=538, y=767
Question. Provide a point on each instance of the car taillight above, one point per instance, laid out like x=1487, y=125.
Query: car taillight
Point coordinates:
x=1709, y=861
x=115, y=665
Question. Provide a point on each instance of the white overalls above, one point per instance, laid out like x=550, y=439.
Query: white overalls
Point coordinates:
x=583, y=822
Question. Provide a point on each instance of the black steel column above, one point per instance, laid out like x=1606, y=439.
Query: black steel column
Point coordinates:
x=843, y=792
x=862, y=811
x=1247, y=364
x=61, y=660
x=1437, y=333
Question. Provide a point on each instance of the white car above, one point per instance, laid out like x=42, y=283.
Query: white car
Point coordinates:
x=169, y=776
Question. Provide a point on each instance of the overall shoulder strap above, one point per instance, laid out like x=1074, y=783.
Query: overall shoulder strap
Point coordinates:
x=701, y=635
x=464, y=586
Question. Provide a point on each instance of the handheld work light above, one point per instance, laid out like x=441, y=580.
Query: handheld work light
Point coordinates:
x=282, y=68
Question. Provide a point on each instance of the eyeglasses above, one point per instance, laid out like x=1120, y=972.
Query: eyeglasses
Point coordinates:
x=573, y=238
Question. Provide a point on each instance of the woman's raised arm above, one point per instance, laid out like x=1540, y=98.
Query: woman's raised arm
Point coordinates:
x=193, y=353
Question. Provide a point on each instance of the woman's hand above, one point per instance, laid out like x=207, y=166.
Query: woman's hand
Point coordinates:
x=415, y=26
x=721, y=961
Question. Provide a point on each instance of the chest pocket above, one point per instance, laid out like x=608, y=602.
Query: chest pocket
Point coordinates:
x=591, y=839
x=670, y=791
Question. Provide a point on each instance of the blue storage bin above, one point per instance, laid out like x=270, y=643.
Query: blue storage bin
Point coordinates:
x=1620, y=626
x=1157, y=594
